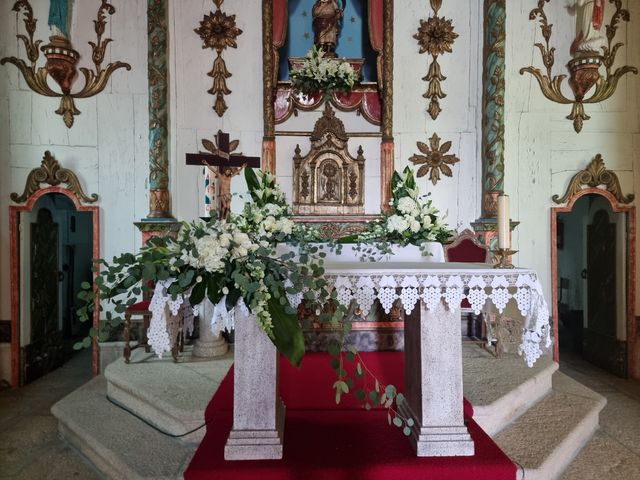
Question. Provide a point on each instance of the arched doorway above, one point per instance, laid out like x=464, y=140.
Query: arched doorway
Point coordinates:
x=593, y=265
x=54, y=239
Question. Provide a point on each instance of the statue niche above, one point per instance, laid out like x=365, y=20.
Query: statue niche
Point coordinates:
x=328, y=180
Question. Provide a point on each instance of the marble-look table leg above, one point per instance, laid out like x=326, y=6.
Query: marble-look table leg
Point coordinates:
x=433, y=383
x=258, y=411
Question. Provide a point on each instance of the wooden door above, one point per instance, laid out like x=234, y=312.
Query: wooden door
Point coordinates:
x=601, y=345
x=45, y=349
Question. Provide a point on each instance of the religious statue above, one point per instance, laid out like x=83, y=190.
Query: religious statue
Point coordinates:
x=224, y=188
x=223, y=165
x=328, y=182
x=326, y=25
x=590, y=34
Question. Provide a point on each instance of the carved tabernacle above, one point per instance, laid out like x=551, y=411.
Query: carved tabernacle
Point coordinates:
x=328, y=180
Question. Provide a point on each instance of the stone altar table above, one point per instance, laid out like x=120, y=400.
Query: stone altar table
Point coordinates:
x=430, y=294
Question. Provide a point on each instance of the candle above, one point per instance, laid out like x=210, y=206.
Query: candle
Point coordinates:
x=504, y=227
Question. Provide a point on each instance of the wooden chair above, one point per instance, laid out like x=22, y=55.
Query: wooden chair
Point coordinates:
x=466, y=248
x=138, y=312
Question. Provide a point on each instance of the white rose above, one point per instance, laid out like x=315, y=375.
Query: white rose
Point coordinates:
x=408, y=206
x=426, y=221
x=269, y=223
x=396, y=223
x=414, y=225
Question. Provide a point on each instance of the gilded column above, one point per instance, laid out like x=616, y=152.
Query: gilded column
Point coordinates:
x=159, y=202
x=387, y=147
x=493, y=82
x=268, y=140
x=159, y=220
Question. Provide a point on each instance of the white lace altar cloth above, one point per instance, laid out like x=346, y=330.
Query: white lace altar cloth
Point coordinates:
x=433, y=283
x=159, y=336
x=364, y=283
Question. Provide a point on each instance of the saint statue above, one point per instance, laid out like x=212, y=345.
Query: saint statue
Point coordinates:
x=59, y=17
x=326, y=25
x=590, y=34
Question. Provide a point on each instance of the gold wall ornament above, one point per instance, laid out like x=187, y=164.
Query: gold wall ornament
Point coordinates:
x=594, y=175
x=218, y=31
x=52, y=173
x=435, y=159
x=584, y=68
x=62, y=60
x=435, y=36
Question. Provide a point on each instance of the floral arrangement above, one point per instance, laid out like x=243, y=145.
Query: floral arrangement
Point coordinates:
x=236, y=260
x=412, y=219
x=320, y=73
x=225, y=261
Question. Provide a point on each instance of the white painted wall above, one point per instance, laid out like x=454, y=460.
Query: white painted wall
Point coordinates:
x=107, y=147
x=192, y=114
x=542, y=150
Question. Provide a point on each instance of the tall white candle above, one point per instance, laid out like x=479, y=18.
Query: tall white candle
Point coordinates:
x=504, y=227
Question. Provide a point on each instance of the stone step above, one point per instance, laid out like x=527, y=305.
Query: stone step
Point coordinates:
x=549, y=435
x=118, y=444
x=502, y=389
x=171, y=396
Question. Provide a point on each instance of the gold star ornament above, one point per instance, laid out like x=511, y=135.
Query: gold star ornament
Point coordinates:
x=435, y=159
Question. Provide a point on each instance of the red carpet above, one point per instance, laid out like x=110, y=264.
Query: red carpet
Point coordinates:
x=345, y=442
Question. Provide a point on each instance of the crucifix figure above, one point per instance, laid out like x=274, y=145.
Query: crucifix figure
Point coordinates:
x=224, y=165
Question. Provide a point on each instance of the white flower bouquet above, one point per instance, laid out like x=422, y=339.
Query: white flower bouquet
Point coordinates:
x=225, y=261
x=318, y=73
x=412, y=220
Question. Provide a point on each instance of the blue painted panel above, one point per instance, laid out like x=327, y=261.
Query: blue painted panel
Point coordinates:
x=353, y=41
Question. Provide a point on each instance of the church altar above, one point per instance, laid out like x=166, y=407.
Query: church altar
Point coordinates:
x=430, y=294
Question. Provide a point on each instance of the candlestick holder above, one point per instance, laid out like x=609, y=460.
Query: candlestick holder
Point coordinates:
x=502, y=257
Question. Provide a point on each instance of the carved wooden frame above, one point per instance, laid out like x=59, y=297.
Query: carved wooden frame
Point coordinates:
x=617, y=207
x=32, y=193
x=386, y=92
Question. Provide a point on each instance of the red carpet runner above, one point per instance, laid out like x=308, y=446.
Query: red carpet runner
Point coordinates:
x=345, y=442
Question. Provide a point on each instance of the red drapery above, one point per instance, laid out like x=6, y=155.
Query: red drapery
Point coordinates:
x=280, y=21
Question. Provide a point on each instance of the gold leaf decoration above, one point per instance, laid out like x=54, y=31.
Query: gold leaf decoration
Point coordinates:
x=435, y=36
x=52, y=173
x=218, y=32
x=435, y=159
x=594, y=175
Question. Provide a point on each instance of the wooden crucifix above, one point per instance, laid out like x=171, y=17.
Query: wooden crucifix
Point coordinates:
x=224, y=165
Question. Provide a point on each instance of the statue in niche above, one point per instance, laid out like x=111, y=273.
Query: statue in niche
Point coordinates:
x=326, y=25
x=329, y=183
x=590, y=34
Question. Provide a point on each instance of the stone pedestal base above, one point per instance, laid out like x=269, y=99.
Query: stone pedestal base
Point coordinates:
x=257, y=444
x=438, y=441
x=433, y=382
x=209, y=345
x=258, y=411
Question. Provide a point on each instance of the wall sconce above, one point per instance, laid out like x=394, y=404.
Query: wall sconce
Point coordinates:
x=591, y=38
x=62, y=60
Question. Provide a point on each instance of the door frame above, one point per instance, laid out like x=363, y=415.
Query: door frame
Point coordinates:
x=14, y=239
x=617, y=207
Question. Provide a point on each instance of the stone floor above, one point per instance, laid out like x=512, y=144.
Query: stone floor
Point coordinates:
x=614, y=451
x=30, y=448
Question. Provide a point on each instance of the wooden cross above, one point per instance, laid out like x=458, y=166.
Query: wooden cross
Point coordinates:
x=224, y=165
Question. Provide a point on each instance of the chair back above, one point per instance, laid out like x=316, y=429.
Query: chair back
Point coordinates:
x=466, y=248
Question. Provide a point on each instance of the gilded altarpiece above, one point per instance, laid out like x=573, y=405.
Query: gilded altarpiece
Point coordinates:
x=328, y=180
x=371, y=100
